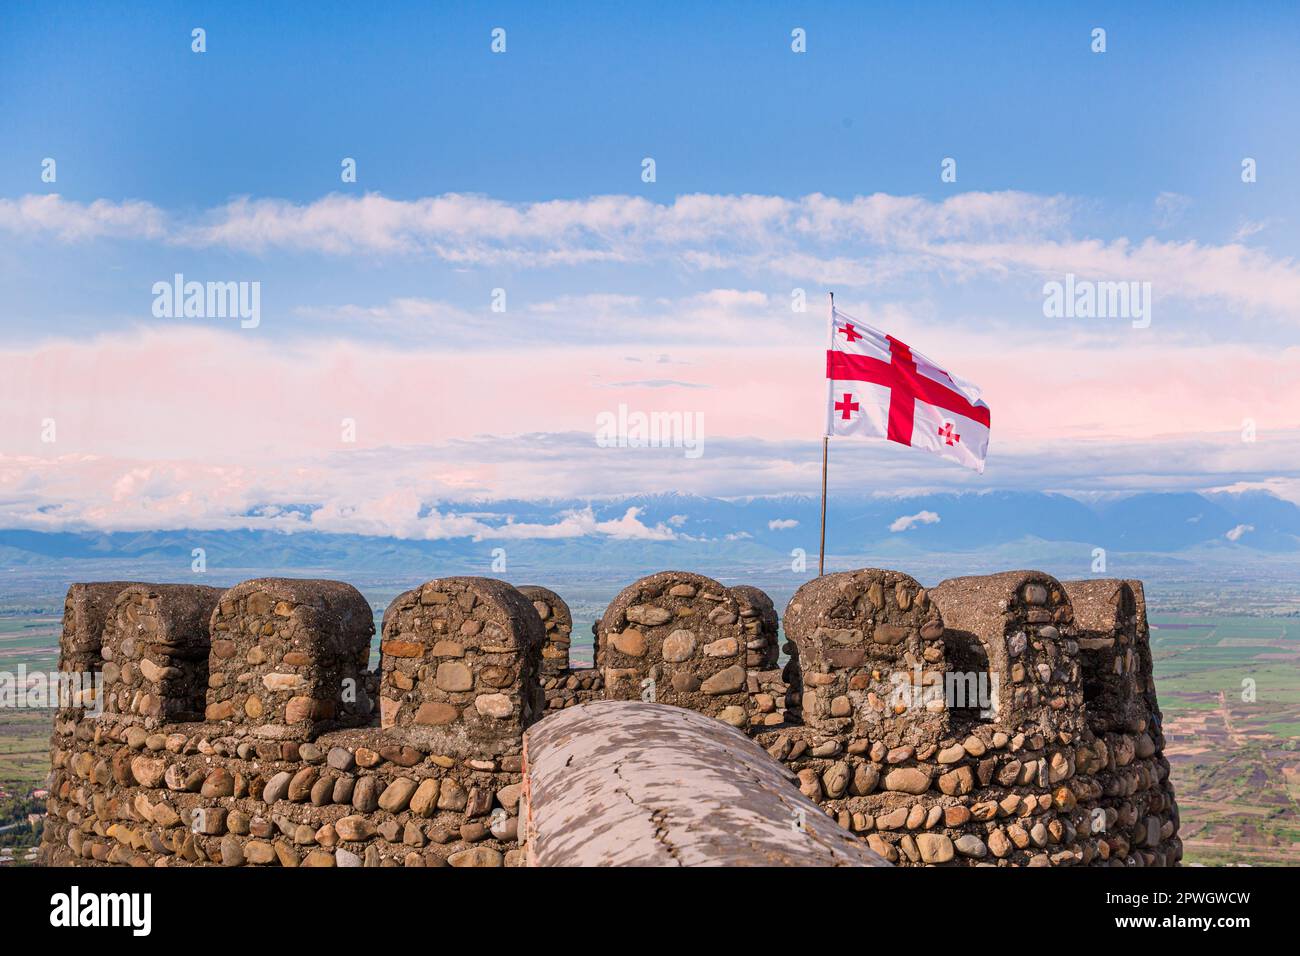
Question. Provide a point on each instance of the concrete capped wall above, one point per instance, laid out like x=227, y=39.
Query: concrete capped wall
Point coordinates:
x=627, y=783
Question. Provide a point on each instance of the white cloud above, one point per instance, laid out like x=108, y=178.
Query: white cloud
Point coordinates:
x=630, y=526
x=1248, y=228
x=782, y=524
x=1286, y=488
x=905, y=522
x=369, y=490
x=862, y=242
x=888, y=238
x=1170, y=207
x=716, y=315
x=1237, y=533
x=653, y=383
x=70, y=221
x=399, y=514
x=404, y=314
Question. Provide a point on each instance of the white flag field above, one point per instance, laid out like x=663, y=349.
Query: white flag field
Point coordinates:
x=881, y=388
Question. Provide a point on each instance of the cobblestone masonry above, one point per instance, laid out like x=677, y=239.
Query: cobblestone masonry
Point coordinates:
x=155, y=652
x=1004, y=720
x=562, y=684
x=1123, y=715
x=767, y=683
x=288, y=658
x=558, y=623
x=460, y=664
x=676, y=638
x=85, y=610
x=1015, y=778
x=1115, y=655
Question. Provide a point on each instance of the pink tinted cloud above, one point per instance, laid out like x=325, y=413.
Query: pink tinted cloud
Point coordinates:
x=191, y=394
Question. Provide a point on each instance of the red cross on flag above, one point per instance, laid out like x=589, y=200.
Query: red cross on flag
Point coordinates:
x=880, y=388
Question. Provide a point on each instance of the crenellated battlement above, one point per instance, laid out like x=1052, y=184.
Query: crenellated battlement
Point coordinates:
x=155, y=649
x=460, y=663
x=960, y=724
x=288, y=658
x=1008, y=719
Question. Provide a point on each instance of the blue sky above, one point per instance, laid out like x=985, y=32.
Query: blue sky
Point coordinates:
x=583, y=94
x=413, y=93
x=775, y=171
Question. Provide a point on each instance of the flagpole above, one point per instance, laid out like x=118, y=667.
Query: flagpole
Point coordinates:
x=821, y=551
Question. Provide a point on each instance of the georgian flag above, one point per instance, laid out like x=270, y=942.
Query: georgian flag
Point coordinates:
x=880, y=388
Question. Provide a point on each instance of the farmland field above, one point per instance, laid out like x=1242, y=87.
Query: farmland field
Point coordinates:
x=32, y=640
x=29, y=641
x=1229, y=689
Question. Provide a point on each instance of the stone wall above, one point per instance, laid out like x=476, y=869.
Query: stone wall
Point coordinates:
x=295, y=765
x=935, y=770
x=85, y=611
x=1005, y=720
x=563, y=685
x=155, y=652
x=676, y=638
x=289, y=657
x=558, y=624
x=1124, y=716
x=772, y=702
x=460, y=663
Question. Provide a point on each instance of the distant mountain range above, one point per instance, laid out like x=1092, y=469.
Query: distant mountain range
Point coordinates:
x=694, y=531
